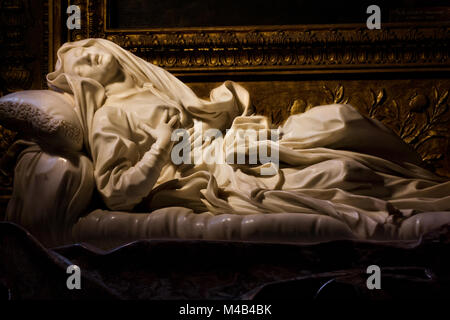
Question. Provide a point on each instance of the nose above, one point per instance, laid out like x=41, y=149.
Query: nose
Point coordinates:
x=84, y=57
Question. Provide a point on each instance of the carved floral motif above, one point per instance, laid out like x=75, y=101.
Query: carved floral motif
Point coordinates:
x=422, y=120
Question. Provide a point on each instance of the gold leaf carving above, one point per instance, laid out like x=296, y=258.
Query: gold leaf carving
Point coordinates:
x=300, y=48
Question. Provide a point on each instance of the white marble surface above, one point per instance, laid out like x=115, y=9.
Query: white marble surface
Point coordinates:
x=340, y=175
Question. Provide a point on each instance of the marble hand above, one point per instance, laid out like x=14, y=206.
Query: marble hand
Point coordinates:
x=163, y=131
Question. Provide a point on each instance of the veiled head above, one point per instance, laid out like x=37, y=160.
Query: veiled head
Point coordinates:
x=91, y=61
x=93, y=70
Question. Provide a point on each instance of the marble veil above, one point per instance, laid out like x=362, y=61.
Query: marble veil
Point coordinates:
x=341, y=175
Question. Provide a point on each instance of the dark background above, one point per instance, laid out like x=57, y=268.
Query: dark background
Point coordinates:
x=211, y=13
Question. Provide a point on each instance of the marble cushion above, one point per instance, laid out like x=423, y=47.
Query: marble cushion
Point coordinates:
x=44, y=116
x=50, y=192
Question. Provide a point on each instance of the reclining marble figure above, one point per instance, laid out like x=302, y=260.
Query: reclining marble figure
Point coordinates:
x=340, y=175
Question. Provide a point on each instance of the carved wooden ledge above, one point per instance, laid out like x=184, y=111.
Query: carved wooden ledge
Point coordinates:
x=338, y=48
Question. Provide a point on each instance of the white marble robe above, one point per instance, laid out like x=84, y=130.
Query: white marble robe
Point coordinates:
x=341, y=175
x=333, y=162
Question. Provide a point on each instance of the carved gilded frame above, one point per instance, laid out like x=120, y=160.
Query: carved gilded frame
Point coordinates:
x=298, y=49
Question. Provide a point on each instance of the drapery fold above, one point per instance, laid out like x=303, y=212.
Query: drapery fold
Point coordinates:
x=338, y=174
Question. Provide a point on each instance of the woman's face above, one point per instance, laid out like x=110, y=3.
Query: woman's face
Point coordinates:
x=91, y=62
